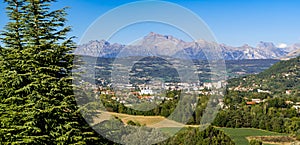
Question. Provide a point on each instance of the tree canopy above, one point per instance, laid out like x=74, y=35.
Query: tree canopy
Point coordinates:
x=37, y=103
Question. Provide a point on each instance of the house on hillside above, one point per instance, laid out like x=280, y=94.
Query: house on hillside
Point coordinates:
x=146, y=92
x=263, y=91
x=297, y=107
x=257, y=101
x=207, y=85
x=289, y=102
x=288, y=92
x=250, y=103
x=107, y=92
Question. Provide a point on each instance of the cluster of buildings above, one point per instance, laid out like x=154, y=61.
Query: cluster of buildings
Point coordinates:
x=155, y=90
x=295, y=105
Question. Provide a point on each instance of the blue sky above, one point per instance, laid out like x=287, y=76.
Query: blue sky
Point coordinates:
x=234, y=22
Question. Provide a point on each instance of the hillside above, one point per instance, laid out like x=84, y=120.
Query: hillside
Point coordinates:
x=282, y=78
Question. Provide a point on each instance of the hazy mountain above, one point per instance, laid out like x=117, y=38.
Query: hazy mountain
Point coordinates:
x=159, y=45
x=99, y=48
x=295, y=51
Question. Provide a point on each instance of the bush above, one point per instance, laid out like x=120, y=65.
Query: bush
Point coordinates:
x=255, y=142
x=130, y=122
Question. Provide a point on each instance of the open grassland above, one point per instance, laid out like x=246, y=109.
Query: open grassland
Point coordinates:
x=240, y=135
x=149, y=121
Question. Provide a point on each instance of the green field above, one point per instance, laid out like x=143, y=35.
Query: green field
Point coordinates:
x=239, y=134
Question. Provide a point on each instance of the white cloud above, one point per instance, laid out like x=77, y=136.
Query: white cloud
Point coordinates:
x=282, y=45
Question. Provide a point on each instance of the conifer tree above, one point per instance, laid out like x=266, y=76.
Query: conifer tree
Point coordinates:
x=37, y=103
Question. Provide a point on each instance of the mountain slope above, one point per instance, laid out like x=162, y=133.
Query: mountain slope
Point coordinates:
x=292, y=54
x=157, y=44
x=282, y=78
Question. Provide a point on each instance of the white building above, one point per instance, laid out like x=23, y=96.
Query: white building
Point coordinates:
x=207, y=85
x=297, y=107
x=146, y=92
x=256, y=100
x=263, y=91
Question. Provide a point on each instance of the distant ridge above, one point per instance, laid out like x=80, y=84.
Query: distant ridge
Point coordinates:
x=167, y=44
x=294, y=53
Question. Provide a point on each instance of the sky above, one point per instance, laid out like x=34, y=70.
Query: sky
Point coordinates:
x=233, y=22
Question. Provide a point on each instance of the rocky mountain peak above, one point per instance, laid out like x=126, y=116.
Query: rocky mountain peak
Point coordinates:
x=268, y=45
x=169, y=45
x=157, y=38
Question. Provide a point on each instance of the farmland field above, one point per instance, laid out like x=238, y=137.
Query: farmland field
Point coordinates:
x=149, y=121
x=239, y=135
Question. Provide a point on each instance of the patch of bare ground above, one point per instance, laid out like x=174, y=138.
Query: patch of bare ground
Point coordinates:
x=149, y=121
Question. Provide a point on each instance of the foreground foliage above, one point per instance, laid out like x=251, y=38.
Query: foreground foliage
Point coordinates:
x=193, y=136
x=37, y=104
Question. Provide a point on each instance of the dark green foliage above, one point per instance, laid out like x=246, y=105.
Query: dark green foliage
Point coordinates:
x=273, y=119
x=184, y=113
x=130, y=122
x=116, y=130
x=274, y=114
x=37, y=102
x=255, y=142
x=297, y=134
x=193, y=136
x=282, y=76
x=164, y=109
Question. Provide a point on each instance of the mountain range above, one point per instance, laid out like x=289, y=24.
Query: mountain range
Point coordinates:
x=157, y=44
